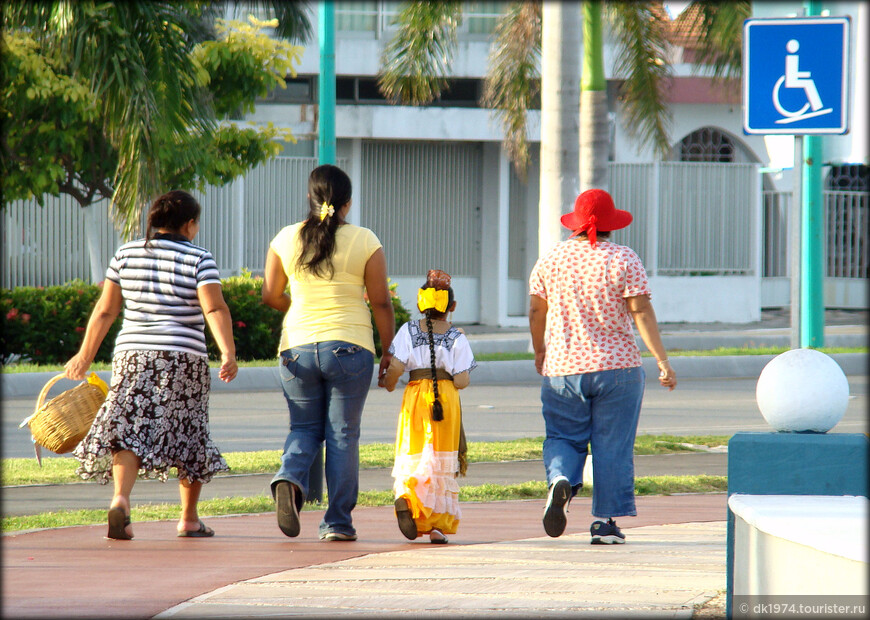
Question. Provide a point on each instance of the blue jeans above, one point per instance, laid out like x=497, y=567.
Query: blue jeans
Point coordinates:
x=325, y=385
x=601, y=409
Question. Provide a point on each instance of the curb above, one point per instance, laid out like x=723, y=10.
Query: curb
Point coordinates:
x=28, y=385
x=681, y=341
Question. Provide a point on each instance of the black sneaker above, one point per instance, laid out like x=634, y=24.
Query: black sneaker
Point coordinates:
x=555, y=517
x=606, y=533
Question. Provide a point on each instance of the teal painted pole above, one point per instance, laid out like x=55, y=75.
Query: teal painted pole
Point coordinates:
x=812, y=322
x=813, y=243
x=325, y=155
x=326, y=83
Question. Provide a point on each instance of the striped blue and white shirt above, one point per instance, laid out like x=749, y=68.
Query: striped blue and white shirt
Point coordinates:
x=158, y=284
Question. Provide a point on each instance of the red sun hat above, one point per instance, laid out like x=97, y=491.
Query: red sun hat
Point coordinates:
x=593, y=211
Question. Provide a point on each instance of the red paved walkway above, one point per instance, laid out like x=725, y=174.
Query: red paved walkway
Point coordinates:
x=76, y=572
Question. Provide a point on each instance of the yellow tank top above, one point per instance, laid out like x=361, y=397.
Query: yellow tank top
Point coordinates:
x=328, y=309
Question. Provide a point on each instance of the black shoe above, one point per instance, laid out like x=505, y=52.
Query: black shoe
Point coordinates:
x=406, y=521
x=286, y=494
x=606, y=533
x=555, y=517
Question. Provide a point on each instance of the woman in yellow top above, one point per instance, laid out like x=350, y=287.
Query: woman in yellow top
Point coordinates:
x=327, y=346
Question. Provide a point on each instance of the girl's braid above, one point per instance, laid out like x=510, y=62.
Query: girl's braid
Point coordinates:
x=437, y=409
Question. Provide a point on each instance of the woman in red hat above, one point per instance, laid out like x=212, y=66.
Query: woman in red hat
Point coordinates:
x=584, y=294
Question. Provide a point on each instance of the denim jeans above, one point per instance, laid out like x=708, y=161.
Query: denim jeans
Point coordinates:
x=325, y=385
x=601, y=409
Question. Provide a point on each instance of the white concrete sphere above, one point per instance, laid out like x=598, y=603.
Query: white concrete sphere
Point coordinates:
x=802, y=390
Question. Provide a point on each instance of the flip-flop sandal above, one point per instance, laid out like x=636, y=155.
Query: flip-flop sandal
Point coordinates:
x=118, y=522
x=406, y=521
x=203, y=532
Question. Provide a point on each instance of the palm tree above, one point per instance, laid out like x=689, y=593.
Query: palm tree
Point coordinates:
x=415, y=74
x=136, y=58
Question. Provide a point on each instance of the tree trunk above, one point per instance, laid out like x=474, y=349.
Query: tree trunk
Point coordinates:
x=560, y=90
x=594, y=124
x=92, y=221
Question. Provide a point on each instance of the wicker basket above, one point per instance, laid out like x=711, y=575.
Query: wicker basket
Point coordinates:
x=62, y=422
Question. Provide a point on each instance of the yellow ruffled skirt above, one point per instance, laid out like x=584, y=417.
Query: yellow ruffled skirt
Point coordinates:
x=427, y=459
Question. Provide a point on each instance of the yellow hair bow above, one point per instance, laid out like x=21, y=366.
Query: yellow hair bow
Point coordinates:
x=326, y=210
x=428, y=298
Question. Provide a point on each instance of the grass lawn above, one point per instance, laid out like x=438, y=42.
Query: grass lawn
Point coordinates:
x=54, y=470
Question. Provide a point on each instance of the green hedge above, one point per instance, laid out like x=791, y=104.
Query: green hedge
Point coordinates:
x=45, y=325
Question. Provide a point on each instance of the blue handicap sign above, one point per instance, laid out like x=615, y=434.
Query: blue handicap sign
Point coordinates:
x=796, y=75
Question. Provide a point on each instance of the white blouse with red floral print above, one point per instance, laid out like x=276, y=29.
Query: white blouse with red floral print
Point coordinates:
x=588, y=324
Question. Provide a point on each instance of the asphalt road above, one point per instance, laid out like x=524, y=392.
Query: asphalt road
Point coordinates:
x=247, y=421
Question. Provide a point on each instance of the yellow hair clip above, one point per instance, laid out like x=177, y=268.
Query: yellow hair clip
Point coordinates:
x=429, y=298
x=326, y=210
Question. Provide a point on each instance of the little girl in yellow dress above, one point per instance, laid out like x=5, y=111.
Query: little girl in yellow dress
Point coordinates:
x=430, y=424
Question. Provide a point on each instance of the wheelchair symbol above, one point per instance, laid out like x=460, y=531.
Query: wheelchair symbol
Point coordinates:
x=796, y=79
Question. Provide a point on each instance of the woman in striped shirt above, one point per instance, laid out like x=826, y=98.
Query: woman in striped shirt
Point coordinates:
x=155, y=416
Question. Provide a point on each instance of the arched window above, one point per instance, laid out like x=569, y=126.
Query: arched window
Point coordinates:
x=706, y=145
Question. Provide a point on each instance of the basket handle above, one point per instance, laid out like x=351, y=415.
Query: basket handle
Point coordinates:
x=41, y=398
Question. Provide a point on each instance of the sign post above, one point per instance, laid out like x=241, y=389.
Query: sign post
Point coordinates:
x=795, y=82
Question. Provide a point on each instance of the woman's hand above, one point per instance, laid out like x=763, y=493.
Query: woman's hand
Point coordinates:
x=539, y=361
x=229, y=368
x=386, y=358
x=667, y=376
x=77, y=367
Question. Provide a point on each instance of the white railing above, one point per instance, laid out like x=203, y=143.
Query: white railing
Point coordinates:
x=49, y=245
x=776, y=234
x=689, y=218
x=424, y=200
x=847, y=215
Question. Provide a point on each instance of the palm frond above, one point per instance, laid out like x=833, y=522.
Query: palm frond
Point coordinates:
x=417, y=59
x=139, y=56
x=513, y=77
x=642, y=59
x=293, y=23
x=720, y=47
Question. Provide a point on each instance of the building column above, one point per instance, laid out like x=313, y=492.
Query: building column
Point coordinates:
x=495, y=212
x=355, y=174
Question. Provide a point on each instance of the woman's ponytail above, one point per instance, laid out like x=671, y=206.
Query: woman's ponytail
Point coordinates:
x=329, y=189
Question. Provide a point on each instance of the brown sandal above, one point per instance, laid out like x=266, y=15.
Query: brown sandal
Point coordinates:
x=118, y=522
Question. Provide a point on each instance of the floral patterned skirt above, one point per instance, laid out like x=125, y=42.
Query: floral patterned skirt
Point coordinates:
x=157, y=407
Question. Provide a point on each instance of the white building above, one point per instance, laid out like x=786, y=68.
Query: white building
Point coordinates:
x=435, y=185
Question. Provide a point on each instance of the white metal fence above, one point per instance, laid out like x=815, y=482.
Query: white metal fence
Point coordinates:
x=846, y=218
x=424, y=202
x=50, y=245
x=689, y=218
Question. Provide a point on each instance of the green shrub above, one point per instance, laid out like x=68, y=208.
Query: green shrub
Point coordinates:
x=45, y=325
x=256, y=326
